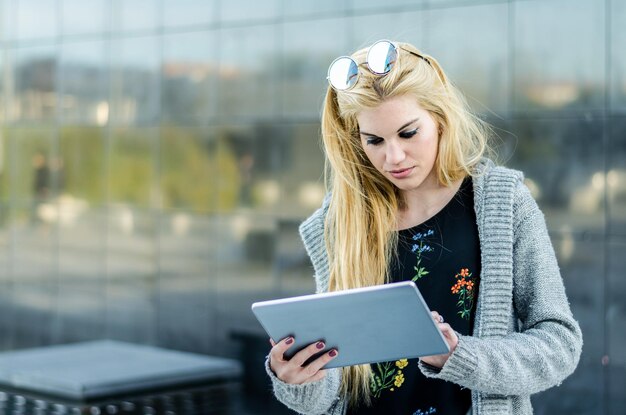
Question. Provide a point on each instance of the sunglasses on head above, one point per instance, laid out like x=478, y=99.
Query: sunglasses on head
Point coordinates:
x=343, y=72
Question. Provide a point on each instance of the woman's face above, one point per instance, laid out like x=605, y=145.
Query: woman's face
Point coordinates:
x=401, y=140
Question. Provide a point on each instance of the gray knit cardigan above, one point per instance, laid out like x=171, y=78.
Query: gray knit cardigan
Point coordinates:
x=525, y=339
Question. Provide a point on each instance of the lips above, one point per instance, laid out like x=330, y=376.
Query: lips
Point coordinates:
x=401, y=173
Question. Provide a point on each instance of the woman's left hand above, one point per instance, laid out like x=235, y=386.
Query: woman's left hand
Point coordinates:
x=451, y=338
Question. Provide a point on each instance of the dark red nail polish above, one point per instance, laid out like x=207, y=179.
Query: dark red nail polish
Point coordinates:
x=320, y=345
x=289, y=340
x=332, y=353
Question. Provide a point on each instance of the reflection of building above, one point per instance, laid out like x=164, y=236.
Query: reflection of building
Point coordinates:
x=189, y=134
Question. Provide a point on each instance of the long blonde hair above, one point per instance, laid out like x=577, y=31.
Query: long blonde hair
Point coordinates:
x=361, y=225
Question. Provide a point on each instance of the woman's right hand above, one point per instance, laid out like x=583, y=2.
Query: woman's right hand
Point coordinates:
x=292, y=371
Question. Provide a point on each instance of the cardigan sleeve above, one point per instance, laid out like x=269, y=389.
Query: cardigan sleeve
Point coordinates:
x=548, y=345
x=313, y=398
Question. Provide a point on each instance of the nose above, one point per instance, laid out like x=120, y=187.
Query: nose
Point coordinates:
x=394, y=153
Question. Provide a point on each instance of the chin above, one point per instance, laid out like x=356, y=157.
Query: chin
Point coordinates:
x=406, y=187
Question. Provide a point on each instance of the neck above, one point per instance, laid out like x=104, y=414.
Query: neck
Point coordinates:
x=425, y=202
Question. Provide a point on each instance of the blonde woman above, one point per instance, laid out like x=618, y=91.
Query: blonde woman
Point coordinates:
x=412, y=196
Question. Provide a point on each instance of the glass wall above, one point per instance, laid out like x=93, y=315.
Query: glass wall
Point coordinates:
x=157, y=156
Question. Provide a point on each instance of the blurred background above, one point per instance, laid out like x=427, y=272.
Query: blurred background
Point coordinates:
x=157, y=156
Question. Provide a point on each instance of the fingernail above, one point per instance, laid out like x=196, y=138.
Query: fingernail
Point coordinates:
x=289, y=340
x=332, y=353
x=320, y=345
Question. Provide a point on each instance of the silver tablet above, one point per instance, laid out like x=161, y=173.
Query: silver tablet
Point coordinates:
x=366, y=325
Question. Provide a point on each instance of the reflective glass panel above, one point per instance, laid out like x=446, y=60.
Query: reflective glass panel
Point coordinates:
x=185, y=303
x=34, y=94
x=188, y=169
x=81, y=313
x=309, y=47
x=36, y=19
x=302, y=174
x=82, y=17
x=7, y=21
x=249, y=160
x=179, y=13
x=131, y=170
x=563, y=163
x=84, y=82
x=248, y=64
x=616, y=176
x=304, y=8
x=82, y=242
x=406, y=26
x=187, y=276
x=3, y=97
x=81, y=168
x=5, y=223
x=477, y=64
x=185, y=250
x=189, y=78
x=135, y=15
x=135, y=81
x=617, y=86
x=131, y=267
x=130, y=246
x=5, y=170
x=453, y=3
x=7, y=322
x=303, y=192
x=8, y=102
x=34, y=275
x=39, y=319
x=244, y=268
x=32, y=176
x=616, y=314
x=358, y=5
x=135, y=320
x=248, y=10
x=567, y=72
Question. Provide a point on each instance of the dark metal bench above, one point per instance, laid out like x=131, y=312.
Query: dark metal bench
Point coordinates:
x=115, y=377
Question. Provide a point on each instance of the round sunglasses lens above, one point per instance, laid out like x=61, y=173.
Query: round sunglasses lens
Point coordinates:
x=381, y=57
x=343, y=73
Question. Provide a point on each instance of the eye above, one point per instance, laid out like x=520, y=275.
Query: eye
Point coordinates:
x=408, y=134
x=374, y=141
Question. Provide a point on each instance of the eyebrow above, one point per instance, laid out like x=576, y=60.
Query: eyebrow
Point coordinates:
x=407, y=124
x=399, y=129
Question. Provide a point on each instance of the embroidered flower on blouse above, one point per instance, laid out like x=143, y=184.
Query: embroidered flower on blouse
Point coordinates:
x=464, y=287
x=420, y=247
x=399, y=379
x=384, y=376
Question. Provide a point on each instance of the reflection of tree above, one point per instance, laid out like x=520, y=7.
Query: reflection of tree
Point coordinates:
x=82, y=150
x=199, y=172
x=193, y=170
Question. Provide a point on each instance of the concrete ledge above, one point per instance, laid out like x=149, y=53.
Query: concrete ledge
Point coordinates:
x=84, y=371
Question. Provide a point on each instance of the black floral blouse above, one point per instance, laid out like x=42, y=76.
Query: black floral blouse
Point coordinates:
x=442, y=256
